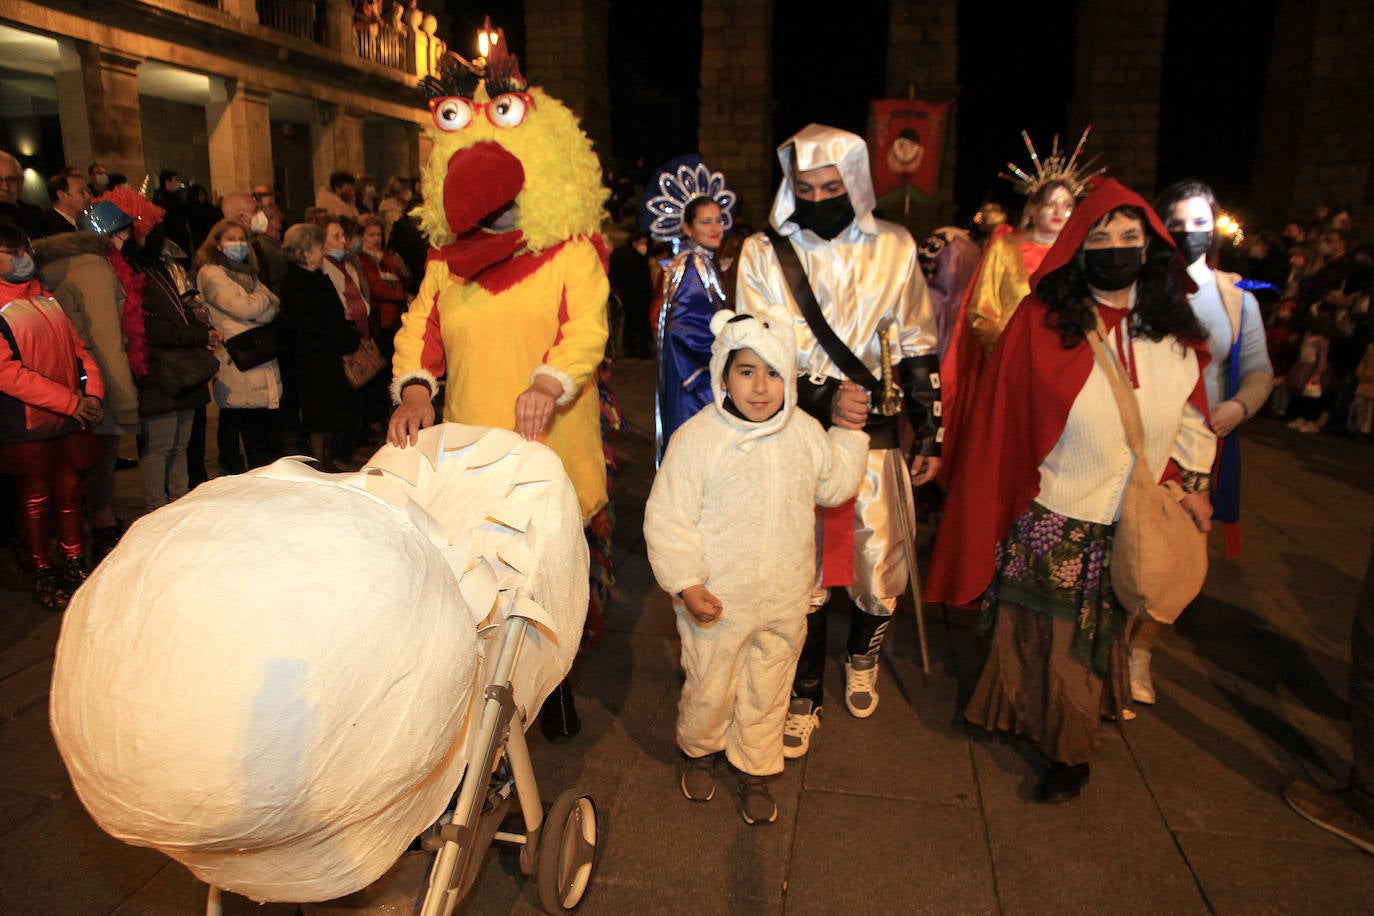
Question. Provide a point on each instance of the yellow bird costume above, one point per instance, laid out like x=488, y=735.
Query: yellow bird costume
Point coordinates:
x=516, y=286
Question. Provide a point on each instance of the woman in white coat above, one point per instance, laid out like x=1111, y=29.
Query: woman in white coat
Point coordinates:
x=249, y=399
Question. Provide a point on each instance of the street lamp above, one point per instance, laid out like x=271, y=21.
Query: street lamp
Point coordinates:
x=1231, y=228
x=487, y=38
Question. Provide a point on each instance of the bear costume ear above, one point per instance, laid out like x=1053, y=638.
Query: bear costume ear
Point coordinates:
x=720, y=319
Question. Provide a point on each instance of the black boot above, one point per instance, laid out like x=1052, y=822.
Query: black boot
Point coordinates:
x=558, y=719
x=1061, y=782
x=103, y=540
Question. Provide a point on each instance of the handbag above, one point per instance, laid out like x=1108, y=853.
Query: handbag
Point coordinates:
x=1159, y=557
x=256, y=345
x=180, y=369
x=362, y=365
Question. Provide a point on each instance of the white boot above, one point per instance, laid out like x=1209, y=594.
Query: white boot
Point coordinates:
x=1142, y=685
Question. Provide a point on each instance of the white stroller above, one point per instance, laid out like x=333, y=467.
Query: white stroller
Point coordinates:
x=327, y=694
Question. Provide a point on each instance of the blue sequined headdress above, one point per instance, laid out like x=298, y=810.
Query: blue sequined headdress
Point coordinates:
x=676, y=183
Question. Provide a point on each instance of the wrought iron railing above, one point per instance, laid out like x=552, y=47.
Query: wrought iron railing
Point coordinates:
x=386, y=46
x=294, y=17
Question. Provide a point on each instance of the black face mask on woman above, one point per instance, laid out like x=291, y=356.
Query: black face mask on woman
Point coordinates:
x=1192, y=245
x=1110, y=269
x=827, y=218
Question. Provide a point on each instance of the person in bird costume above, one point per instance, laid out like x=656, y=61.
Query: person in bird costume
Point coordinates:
x=512, y=308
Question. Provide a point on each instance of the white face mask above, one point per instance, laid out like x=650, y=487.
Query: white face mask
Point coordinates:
x=259, y=222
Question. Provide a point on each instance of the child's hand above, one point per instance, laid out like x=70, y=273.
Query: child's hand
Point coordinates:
x=704, y=607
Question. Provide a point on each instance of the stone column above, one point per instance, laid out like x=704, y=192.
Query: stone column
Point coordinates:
x=240, y=132
x=400, y=150
x=338, y=26
x=97, y=102
x=923, y=62
x=565, y=49
x=1116, y=85
x=736, y=130
x=1316, y=138
x=337, y=138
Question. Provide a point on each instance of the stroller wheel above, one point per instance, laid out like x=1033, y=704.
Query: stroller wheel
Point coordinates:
x=567, y=852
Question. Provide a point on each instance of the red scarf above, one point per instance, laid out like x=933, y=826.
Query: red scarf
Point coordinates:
x=355, y=306
x=131, y=320
x=494, y=261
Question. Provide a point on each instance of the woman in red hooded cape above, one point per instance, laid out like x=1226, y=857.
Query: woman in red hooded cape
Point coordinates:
x=1029, y=527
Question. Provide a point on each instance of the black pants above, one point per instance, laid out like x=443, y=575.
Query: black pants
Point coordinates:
x=637, y=334
x=865, y=635
x=1362, y=697
x=260, y=429
x=195, y=451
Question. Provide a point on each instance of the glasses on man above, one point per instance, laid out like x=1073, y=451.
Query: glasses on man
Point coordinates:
x=12, y=179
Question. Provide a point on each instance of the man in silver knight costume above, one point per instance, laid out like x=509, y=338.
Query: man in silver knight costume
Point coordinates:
x=868, y=285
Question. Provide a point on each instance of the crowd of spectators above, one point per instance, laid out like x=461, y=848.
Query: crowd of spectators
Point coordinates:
x=1315, y=303
x=158, y=282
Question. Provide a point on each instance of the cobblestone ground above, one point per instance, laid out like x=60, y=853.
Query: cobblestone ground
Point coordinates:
x=905, y=812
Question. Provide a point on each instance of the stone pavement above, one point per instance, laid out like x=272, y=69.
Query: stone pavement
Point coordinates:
x=905, y=812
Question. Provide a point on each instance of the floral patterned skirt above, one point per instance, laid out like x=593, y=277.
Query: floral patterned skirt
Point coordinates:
x=1060, y=567
x=1056, y=664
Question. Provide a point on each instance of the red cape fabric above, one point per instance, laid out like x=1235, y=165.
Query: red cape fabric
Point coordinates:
x=1016, y=415
x=959, y=371
x=837, y=545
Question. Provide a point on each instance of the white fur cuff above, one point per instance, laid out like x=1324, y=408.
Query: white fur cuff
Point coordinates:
x=562, y=378
x=419, y=375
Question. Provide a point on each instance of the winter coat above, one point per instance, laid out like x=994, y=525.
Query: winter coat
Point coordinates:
x=733, y=505
x=271, y=262
x=384, y=278
x=319, y=335
x=74, y=268
x=44, y=366
x=238, y=300
x=325, y=198
x=176, y=338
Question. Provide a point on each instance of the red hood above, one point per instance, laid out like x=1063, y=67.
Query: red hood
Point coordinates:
x=1106, y=195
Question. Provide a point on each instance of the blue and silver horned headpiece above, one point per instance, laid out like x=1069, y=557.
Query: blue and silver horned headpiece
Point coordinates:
x=676, y=183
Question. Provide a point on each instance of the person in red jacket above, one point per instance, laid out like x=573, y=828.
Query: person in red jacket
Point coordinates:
x=386, y=276
x=50, y=395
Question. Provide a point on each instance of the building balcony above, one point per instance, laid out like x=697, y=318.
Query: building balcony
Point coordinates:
x=301, y=18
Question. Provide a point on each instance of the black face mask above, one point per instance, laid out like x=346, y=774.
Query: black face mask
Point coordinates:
x=827, y=218
x=1192, y=245
x=1110, y=269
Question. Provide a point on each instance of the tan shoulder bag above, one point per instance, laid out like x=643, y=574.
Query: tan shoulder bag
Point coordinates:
x=1159, y=557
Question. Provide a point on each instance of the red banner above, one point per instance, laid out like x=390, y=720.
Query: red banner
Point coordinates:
x=907, y=138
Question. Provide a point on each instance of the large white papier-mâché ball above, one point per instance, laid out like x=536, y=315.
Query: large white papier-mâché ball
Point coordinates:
x=269, y=681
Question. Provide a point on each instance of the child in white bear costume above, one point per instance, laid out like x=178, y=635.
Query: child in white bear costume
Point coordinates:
x=730, y=527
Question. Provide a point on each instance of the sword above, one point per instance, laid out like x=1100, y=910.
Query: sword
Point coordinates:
x=891, y=406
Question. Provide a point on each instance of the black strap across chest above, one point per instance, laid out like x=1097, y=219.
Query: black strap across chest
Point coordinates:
x=795, y=275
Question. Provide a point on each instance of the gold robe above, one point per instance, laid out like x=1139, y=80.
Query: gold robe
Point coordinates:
x=1002, y=281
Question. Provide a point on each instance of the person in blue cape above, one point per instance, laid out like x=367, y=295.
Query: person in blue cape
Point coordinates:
x=689, y=205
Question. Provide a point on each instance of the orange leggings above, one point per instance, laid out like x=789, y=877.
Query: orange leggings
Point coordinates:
x=45, y=472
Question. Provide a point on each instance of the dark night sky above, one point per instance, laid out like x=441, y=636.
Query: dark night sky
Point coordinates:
x=1015, y=71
